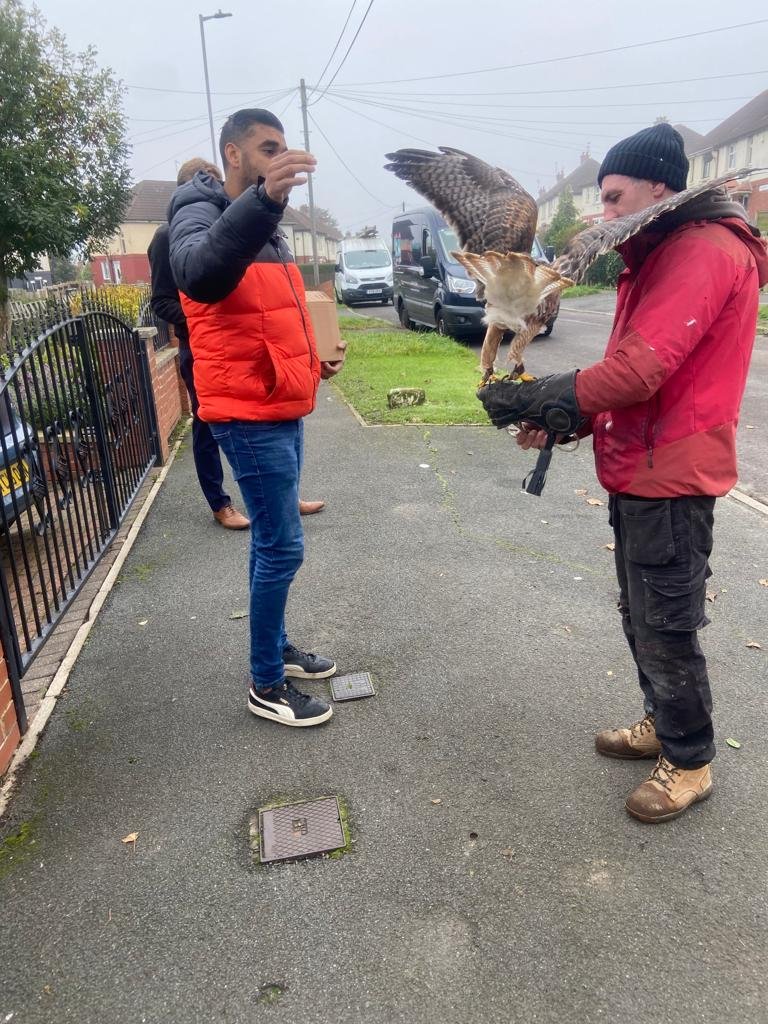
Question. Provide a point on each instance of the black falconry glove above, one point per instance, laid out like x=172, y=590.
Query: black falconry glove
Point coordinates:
x=548, y=402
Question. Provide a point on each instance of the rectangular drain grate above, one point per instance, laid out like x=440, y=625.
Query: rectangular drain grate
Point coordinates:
x=300, y=830
x=358, y=684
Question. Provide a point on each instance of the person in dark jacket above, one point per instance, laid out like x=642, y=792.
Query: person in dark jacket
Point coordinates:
x=166, y=304
x=256, y=373
x=663, y=407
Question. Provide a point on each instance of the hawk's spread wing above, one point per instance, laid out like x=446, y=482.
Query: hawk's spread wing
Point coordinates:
x=486, y=207
x=584, y=248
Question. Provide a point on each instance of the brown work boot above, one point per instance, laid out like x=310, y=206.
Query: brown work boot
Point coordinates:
x=669, y=791
x=308, y=508
x=639, y=740
x=231, y=519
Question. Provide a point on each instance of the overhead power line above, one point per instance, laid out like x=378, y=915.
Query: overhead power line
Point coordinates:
x=429, y=142
x=547, y=92
x=349, y=48
x=571, y=56
x=333, y=51
x=364, y=98
x=343, y=162
x=192, y=92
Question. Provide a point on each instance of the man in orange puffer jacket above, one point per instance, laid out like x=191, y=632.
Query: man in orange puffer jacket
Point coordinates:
x=256, y=374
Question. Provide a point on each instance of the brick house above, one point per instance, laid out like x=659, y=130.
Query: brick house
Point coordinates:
x=583, y=184
x=126, y=259
x=740, y=141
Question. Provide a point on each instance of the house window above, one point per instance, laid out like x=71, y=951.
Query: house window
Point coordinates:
x=117, y=271
x=706, y=171
x=105, y=274
x=731, y=157
x=750, y=140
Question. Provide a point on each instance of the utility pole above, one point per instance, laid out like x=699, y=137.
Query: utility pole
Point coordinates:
x=312, y=216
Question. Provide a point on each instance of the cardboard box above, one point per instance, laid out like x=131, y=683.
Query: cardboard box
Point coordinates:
x=325, y=323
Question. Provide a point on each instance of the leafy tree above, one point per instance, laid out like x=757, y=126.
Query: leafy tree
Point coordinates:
x=565, y=224
x=63, y=269
x=63, y=158
x=325, y=219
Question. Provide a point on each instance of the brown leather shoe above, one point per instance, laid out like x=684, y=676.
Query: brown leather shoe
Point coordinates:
x=308, y=508
x=669, y=791
x=639, y=740
x=231, y=519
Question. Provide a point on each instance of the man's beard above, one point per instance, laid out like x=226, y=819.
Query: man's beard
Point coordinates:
x=249, y=174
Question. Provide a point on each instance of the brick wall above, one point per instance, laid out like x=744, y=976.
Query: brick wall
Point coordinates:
x=9, y=727
x=168, y=388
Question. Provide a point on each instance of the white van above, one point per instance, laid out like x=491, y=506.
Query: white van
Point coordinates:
x=363, y=271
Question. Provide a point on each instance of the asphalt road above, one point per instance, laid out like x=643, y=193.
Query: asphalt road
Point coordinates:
x=494, y=877
x=579, y=339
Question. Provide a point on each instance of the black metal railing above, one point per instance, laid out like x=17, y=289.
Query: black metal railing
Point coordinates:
x=78, y=436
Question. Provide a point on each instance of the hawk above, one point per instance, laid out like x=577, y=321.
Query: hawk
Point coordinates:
x=495, y=221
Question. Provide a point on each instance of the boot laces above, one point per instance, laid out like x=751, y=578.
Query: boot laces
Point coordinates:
x=646, y=724
x=664, y=773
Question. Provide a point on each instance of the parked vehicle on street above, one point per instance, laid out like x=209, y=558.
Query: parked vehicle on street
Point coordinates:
x=363, y=271
x=430, y=288
x=18, y=460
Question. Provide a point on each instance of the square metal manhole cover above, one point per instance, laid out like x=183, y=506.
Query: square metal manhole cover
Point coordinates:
x=300, y=830
x=358, y=684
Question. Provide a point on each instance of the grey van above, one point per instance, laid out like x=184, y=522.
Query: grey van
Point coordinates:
x=430, y=288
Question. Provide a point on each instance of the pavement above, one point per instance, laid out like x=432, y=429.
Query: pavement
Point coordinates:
x=493, y=874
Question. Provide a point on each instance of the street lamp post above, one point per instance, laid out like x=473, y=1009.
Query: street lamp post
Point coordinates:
x=203, y=18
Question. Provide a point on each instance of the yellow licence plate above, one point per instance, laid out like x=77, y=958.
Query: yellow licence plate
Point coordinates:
x=12, y=478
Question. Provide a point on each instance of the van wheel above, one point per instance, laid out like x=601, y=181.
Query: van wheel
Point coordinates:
x=402, y=313
x=442, y=327
x=385, y=302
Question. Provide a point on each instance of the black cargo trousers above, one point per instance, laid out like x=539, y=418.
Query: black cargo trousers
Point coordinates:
x=662, y=564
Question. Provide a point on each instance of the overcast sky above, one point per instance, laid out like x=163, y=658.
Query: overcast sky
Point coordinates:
x=531, y=120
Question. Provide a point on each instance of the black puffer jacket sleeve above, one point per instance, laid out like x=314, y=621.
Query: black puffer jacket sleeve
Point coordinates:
x=212, y=248
x=165, y=295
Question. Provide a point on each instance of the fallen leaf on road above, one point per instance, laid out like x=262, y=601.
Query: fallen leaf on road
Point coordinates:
x=754, y=645
x=238, y=615
x=594, y=501
x=609, y=673
x=763, y=583
x=711, y=595
x=733, y=743
x=438, y=801
x=509, y=853
x=143, y=622
x=610, y=547
x=131, y=838
x=581, y=491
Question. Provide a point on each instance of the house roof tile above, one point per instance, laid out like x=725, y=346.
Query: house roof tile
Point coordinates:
x=748, y=120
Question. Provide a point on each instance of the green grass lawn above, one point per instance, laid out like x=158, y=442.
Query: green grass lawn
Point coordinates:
x=380, y=358
x=578, y=290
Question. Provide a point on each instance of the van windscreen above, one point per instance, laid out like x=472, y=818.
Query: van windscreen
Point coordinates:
x=366, y=259
x=449, y=240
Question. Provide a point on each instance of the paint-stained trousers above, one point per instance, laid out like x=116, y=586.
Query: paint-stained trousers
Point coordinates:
x=662, y=563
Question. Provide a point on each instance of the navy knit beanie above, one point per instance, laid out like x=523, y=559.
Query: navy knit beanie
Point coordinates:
x=653, y=154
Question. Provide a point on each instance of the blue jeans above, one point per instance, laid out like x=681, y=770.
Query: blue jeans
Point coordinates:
x=204, y=447
x=266, y=460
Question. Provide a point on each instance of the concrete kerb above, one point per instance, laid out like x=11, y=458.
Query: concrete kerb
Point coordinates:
x=59, y=680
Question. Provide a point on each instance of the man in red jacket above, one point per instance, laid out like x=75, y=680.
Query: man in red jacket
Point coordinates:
x=256, y=374
x=663, y=407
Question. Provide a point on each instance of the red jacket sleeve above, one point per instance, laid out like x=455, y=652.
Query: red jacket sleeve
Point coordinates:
x=682, y=296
